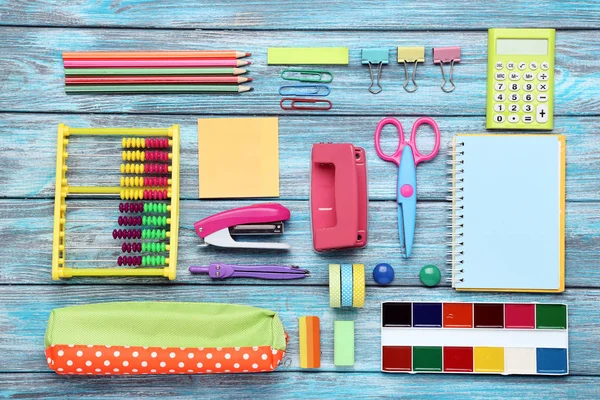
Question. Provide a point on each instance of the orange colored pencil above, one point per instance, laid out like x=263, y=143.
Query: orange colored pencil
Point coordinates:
x=117, y=55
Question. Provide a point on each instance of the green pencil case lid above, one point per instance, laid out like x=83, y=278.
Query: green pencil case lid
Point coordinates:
x=163, y=338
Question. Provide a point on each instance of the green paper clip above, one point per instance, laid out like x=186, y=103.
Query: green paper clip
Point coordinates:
x=321, y=75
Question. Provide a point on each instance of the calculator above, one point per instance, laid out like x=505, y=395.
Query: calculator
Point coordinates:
x=520, y=81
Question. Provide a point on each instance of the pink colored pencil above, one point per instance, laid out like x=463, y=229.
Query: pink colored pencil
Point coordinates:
x=119, y=55
x=212, y=80
x=154, y=63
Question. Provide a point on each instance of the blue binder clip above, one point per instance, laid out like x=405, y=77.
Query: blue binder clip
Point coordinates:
x=377, y=56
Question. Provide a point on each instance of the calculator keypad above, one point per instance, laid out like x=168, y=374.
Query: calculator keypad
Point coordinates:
x=520, y=92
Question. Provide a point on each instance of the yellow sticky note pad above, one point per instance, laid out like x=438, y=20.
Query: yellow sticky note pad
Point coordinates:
x=307, y=55
x=238, y=157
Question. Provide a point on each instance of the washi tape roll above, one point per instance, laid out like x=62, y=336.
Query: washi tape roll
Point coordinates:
x=347, y=279
x=358, y=287
x=334, y=285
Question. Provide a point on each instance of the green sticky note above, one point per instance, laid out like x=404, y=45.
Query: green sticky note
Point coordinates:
x=307, y=55
x=343, y=343
x=551, y=316
x=427, y=358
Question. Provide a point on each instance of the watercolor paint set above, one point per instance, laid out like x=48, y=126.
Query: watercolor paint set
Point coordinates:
x=480, y=338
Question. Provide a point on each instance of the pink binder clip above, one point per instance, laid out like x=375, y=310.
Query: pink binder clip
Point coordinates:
x=338, y=196
x=449, y=55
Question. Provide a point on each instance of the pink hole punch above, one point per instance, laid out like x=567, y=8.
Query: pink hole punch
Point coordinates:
x=338, y=196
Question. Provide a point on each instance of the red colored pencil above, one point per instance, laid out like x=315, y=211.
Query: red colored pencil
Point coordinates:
x=118, y=55
x=80, y=80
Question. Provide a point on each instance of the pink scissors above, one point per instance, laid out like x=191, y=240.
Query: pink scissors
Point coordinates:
x=407, y=157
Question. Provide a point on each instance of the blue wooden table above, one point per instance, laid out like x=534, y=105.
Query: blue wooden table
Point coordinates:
x=32, y=103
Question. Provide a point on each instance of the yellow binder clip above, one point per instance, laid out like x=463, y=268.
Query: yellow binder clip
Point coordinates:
x=411, y=55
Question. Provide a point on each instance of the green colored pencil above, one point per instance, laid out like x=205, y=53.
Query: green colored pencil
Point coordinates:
x=153, y=71
x=155, y=88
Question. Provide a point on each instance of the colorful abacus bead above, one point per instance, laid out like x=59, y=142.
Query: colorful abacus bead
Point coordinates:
x=144, y=194
x=155, y=208
x=127, y=233
x=153, y=260
x=131, y=207
x=140, y=234
x=153, y=220
x=133, y=142
x=132, y=181
x=156, y=181
x=154, y=233
x=150, y=143
x=150, y=247
x=131, y=247
x=144, y=261
x=143, y=207
x=155, y=194
x=153, y=247
x=158, y=143
x=155, y=169
x=138, y=181
x=130, y=221
x=153, y=155
x=129, y=260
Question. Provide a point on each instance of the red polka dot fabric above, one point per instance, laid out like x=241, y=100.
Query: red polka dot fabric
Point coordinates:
x=141, y=360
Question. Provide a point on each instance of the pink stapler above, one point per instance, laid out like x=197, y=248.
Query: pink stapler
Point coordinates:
x=257, y=219
x=338, y=196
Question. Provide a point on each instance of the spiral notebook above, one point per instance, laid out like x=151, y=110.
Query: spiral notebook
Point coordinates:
x=508, y=212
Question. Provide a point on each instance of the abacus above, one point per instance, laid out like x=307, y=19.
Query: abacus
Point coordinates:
x=148, y=185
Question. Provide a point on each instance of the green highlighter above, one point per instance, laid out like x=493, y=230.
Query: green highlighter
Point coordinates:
x=343, y=343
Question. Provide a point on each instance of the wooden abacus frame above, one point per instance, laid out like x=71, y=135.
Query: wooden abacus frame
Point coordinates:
x=59, y=270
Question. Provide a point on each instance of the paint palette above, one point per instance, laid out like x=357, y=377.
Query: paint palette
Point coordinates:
x=492, y=338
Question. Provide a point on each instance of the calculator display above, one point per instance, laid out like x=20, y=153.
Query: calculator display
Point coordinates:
x=533, y=47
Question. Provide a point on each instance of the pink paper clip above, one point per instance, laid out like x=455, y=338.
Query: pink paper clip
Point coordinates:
x=443, y=55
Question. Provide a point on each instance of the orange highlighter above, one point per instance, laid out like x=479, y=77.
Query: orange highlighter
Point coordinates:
x=310, y=342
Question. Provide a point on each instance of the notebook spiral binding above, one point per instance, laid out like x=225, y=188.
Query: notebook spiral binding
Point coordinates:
x=454, y=256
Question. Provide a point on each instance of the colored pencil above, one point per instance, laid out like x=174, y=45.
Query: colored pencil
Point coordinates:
x=179, y=62
x=153, y=71
x=87, y=80
x=155, y=88
x=100, y=55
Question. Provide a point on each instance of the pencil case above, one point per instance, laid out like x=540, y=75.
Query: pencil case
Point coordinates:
x=163, y=338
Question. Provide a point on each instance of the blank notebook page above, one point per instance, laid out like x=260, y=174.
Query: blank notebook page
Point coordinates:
x=512, y=212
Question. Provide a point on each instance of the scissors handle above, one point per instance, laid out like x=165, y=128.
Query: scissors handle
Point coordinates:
x=419, y=158
x=395, y=158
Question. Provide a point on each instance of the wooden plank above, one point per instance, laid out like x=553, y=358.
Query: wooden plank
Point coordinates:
x=329, y=385
x=26, y=308
x=32, y=75
x=34, y=136
x=23, y=222
x=322, y=15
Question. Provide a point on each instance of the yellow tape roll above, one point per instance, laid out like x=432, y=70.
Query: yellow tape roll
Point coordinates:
x=335, y=283
x=358, y=287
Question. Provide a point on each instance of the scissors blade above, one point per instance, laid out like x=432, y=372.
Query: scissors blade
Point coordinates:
x=409, y=212
x=407, y=199
x=401, y=230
